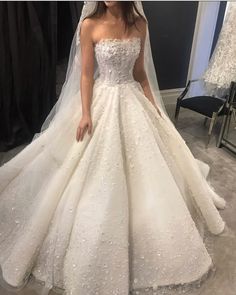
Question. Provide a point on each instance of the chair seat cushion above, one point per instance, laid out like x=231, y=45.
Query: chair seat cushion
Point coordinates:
x=204, y=105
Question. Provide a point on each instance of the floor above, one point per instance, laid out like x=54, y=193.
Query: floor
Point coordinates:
x=222, y=177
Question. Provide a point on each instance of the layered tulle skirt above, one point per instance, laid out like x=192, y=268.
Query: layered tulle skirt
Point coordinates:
x=125, y=209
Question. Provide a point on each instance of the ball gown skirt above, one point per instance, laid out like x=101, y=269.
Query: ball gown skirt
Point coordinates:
x=123, y=210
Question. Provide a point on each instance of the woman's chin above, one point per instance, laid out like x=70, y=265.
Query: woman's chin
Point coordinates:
x=111, y=3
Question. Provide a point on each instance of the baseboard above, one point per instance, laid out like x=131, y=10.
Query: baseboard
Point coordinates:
x=169, y=96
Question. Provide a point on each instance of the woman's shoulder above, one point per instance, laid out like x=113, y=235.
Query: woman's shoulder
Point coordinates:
x=141, y=23
x=140, y=20
x=89, y=22
x=88, y=25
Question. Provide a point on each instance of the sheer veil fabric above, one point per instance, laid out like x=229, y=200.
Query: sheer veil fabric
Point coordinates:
x=44, y=145
x=71, y=86
x=50, y=161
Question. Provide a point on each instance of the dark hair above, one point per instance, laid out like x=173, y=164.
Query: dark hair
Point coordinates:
x=128, y=9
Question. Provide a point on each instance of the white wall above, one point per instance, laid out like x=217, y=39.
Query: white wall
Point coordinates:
x=202, y=42
x=201, y=48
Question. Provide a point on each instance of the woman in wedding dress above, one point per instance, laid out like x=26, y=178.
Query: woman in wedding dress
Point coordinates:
x=108, y=198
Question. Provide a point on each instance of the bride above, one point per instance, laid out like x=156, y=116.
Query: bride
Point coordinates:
x=107, y=199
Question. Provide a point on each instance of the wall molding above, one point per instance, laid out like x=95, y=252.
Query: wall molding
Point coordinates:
x=169, y=96
x=201, y=49
x=202, y=42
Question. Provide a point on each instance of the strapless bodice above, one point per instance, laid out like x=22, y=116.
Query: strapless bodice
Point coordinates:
x=116, y=59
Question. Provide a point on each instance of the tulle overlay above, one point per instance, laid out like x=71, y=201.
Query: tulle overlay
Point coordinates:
x=222, y=66
x=125, y=204
x=123, y=210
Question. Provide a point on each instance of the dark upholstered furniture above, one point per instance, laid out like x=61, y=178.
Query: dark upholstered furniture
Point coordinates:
x=209, y=106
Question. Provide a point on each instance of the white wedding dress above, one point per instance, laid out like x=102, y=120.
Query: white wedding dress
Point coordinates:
x=123, y=210
x=222, y=66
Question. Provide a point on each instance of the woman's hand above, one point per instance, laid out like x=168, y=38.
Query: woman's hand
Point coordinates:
x=84, y=125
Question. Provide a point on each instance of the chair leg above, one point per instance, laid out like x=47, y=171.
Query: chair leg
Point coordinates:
x=234, y=114
x=229, y=121
x=213, y=119
x=222, y=129
x=177, y=109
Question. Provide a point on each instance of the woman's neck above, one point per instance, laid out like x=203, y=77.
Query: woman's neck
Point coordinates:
x=114, y=13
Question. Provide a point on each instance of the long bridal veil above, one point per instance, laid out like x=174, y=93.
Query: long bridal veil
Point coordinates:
x=71, y=86
x=36, y=165
x=38, y=162
x=46, y=143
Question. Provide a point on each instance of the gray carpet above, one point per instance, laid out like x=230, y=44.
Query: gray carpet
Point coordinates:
x=223, y=178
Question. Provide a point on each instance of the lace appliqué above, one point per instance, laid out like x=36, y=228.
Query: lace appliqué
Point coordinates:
x=116, y=59
x=222, y=67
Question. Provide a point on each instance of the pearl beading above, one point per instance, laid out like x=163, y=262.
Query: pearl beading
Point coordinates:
x=116, y=59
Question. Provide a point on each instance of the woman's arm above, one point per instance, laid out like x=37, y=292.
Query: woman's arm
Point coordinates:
x=87, y=80
x=139, y=69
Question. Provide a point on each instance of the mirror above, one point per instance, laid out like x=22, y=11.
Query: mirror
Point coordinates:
x=227, y=136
